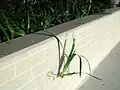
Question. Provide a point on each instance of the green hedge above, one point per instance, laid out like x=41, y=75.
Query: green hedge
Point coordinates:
x=34, y=15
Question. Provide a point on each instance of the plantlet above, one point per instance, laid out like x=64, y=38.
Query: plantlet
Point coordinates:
x=64, y=64
x=63, y=71
x=70, y=57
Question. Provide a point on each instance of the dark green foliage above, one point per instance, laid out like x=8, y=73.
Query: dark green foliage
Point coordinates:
x=99, y=5
x=21, y=17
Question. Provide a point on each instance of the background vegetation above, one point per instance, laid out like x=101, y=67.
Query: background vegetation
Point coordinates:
x=21, y=17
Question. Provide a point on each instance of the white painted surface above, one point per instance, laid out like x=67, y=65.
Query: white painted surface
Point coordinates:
x=28, y=68
x=108, y=71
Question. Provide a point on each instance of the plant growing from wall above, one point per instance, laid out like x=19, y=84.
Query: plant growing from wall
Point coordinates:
x=64, y=64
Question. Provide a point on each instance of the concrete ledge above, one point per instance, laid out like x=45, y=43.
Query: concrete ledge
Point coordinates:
x=27, y=68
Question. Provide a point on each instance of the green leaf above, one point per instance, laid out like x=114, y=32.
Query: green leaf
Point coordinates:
x=62, y=59
x=5, y=33
x=28, y=26
x=9, y=26
x=70, y=57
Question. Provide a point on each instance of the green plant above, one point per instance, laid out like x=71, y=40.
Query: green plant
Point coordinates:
x=31, y=14
x=64, y=64
x=62, y=70
x=9, y=29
